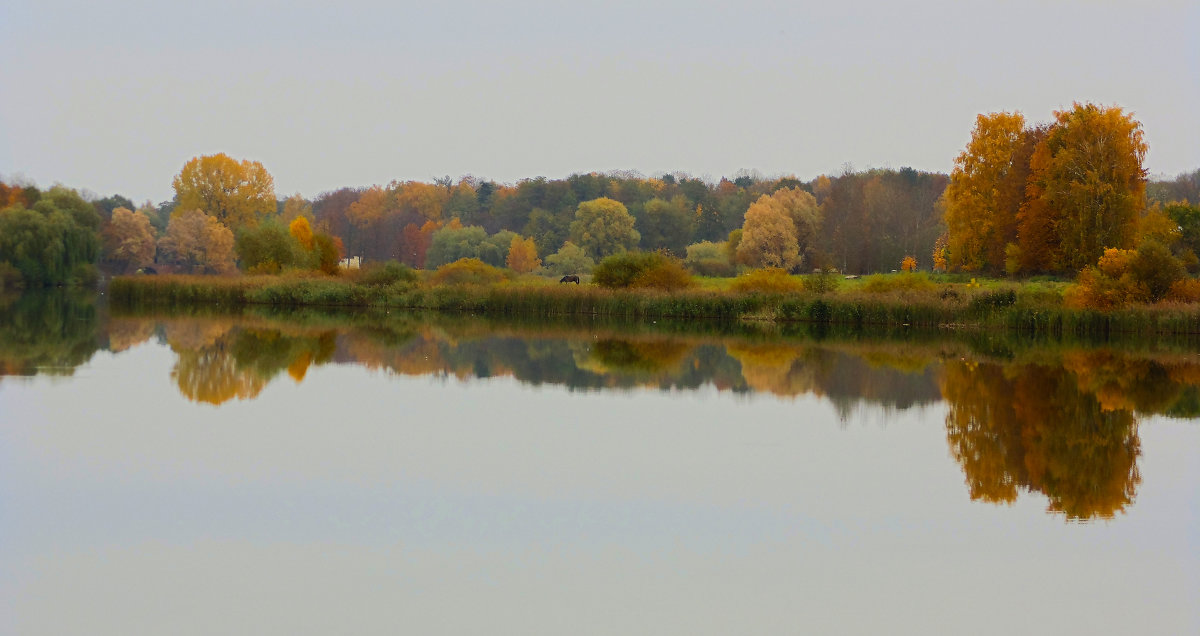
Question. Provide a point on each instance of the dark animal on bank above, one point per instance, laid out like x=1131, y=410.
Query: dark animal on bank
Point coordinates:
x=570, y=278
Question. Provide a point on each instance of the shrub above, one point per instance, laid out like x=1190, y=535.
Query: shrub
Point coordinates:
x=709, y=259
x=467, y=271
x=768, y=280
x=666, y=276
x=1154, y=267
x=1186, y=290
x=619, y=270
x=387, y=274
x=822, y=282
x=1121, y=277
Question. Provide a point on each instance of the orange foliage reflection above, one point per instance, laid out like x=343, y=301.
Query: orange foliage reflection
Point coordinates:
x=1031, y=427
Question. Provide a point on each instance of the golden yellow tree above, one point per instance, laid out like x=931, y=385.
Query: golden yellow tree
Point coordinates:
x=426, y=199
x=778, y=229
x=979, y=221
x=522, y=255
x=370, y=207
x=300, y=229
x=236, y=193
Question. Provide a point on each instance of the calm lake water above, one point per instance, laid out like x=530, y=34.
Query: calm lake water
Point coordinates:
x=371, y=472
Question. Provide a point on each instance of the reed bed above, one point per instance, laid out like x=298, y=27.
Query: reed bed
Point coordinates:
x=1031, y=309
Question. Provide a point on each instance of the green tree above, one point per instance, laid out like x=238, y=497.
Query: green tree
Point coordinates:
x=569, y=259
x=55, y=242
x=666, y=224
x=547, y=229
x=451, y=243
x=602, y=227
x=270, y=248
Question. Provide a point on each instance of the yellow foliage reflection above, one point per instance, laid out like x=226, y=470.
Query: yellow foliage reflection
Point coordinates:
x=126, y=333
x=1031, y=427
x=230, y=363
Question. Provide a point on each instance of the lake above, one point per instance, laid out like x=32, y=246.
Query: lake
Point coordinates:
x=316, y=471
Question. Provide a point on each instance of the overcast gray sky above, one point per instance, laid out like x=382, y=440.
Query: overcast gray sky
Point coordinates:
x=116, y=96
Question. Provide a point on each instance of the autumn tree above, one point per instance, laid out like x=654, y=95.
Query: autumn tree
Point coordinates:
x=602, y=227
x=522, y=255
x=198, y=243
x=1087, y=185
x=235, y=193
x=295, y=207
x=129, y=239
x=302, y=232
x=779, y=229
x=980, y=220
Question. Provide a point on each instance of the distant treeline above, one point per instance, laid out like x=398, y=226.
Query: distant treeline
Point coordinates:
x=225, y=216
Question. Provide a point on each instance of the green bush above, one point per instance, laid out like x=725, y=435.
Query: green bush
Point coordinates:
x=709, y=259
x=824, y=282
x=640, y=269
x=270, y=248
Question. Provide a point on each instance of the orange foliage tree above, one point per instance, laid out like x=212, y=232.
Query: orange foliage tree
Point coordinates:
x=522, y=255
x=1086, y=187
x=979, y=220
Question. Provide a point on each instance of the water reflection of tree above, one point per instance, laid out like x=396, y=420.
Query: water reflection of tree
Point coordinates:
x=47, y=331
x=1031, y=427
x=218, y=363
x=889, y=378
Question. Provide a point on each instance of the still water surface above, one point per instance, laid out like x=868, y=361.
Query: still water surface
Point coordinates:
x=323, y=472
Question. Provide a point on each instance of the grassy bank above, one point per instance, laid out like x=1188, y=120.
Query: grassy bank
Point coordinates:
x=888, y=301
